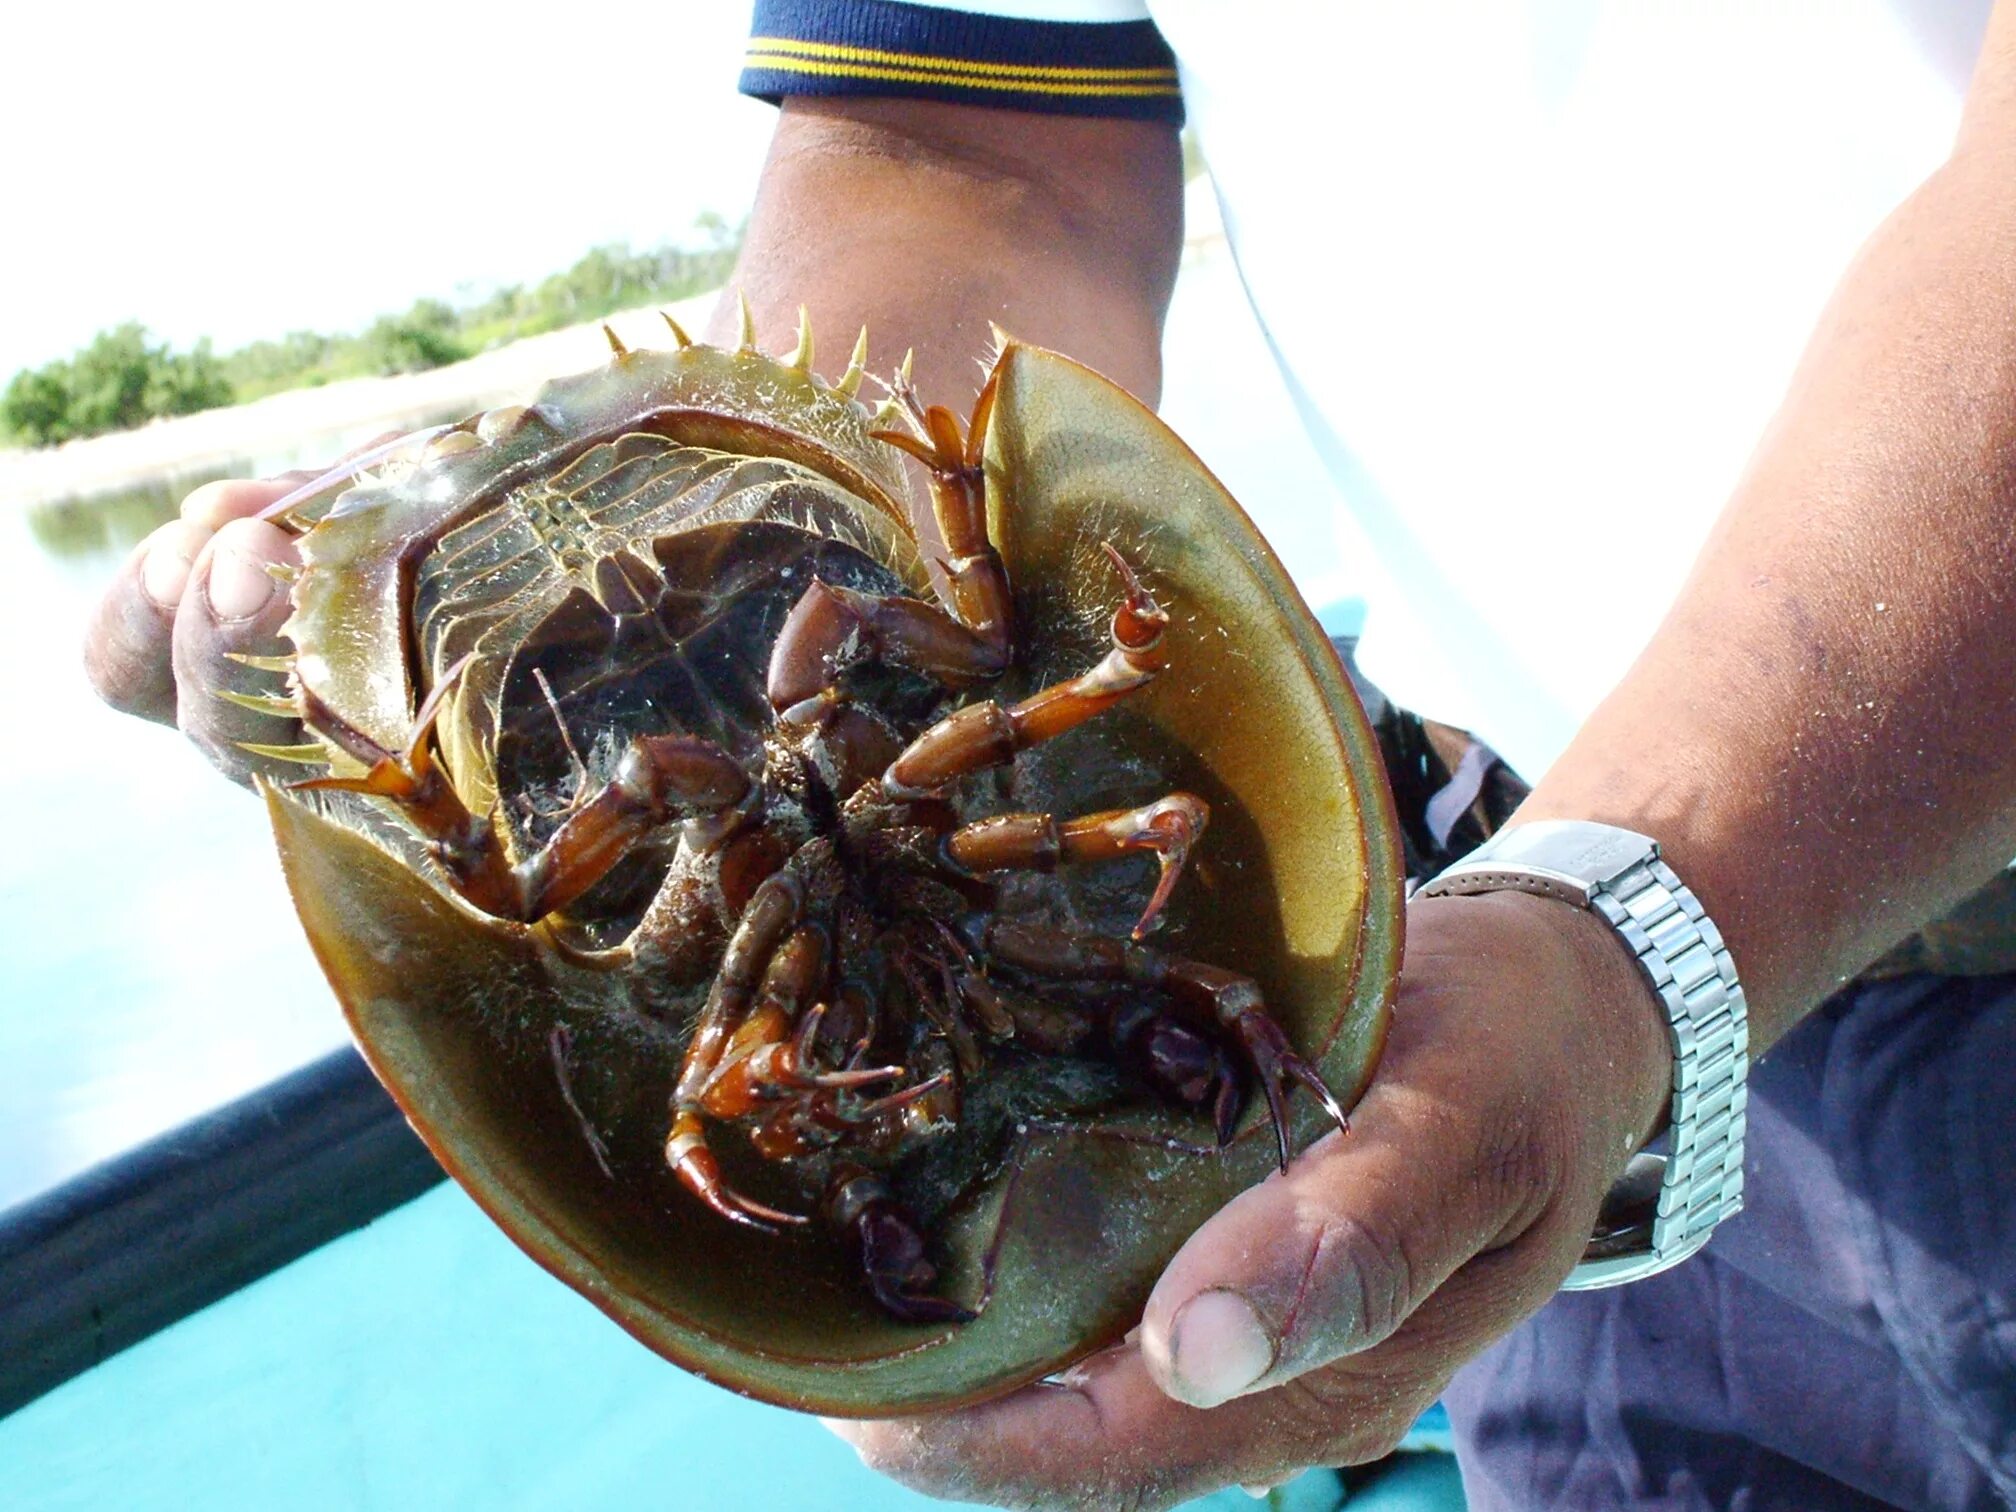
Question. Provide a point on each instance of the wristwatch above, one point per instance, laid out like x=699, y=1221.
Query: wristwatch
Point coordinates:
x=1666, y=1205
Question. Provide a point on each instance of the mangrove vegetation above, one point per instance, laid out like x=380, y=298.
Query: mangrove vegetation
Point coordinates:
x=124, y=378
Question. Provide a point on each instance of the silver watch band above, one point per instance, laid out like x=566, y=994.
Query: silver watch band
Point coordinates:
x=1665, y=1207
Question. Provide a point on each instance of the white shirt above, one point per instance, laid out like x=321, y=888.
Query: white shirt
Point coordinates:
x=1537, y=275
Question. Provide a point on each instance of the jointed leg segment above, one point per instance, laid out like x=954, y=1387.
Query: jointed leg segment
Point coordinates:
x=1222, y=997
x=830, y=625
x=772, y=914
x=659, y=778
x=967, y=640
x=976, y=584
x=772, y=1052
x=1167, y=828
x=983, y=735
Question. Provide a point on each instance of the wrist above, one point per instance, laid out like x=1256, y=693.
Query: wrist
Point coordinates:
x=1625, y=1020
x=1669, y=1204
x=1612, y=1059
x=1712, y=832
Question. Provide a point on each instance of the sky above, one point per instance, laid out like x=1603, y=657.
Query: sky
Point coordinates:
x=237, y=170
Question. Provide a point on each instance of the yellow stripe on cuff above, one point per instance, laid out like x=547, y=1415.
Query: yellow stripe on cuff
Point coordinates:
x=785, y=64
x=769, y=46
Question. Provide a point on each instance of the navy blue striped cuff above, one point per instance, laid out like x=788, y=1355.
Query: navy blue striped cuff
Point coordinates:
x=923, y=52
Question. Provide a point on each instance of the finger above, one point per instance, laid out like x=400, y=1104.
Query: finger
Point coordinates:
x=1333, y=1256
x=233, y=605
x=1103, y=1436
x=215, y=505
x=1107, y=1435
x=126, y=645
x=310, y=489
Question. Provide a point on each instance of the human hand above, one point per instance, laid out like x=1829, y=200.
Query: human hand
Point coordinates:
x=1320, y=1312
x=191, y=595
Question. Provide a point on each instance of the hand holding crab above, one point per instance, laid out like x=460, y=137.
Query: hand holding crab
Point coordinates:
x=1314, y=1318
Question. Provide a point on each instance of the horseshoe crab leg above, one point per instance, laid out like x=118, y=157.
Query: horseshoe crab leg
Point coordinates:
x=831, y=626
x=1225, y=998
x=976, y=587
x=799, y=1125
x=1167, y=828
x=971, y=638
x=659, y=778
x=772, y=916
x=889, y=1247
x=772, y=1052
x=983, y=735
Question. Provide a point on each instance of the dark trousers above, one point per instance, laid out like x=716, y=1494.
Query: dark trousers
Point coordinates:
x=1848, y=1341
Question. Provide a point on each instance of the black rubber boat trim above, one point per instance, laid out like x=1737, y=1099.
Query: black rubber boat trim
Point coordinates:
x=98, y=1264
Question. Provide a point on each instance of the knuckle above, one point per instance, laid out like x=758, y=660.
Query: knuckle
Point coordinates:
x=1523, y=1158
x=114, y=690
x=1371, y=1439
x=210, y=724
x=1329, y=1417
x=1379, y=1434
x=218, y=751
x=1316, y=1407
x=1517, y=1161
x=878, y=1454
x=1047, y=1472
x=1511, y=1147
x=952, y=1470
x=1119, y=1488
x=119, y=686
x=901, y=1456
x=1367, y=1267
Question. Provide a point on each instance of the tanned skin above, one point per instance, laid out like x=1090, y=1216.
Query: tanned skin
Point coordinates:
x=1826, y=774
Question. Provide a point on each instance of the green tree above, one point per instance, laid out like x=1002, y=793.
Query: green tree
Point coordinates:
x=109, y=380
x=426, y=336
x=36, y=406
x=182, y=384
x=266, y=366
x=122, y=378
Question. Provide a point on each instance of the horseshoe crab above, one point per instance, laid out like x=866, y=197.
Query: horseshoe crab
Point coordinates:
x=751, y=907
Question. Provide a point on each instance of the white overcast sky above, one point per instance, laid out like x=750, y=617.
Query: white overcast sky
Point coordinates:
x=237, y=170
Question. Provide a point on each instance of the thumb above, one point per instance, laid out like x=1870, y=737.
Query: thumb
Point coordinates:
x=1333, y=1256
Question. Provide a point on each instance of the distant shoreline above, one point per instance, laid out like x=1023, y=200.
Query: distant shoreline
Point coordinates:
x=356, y=409
x=190, y=445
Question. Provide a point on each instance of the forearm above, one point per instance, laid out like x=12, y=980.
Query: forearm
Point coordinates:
x=927, y=222
x=1823, y=732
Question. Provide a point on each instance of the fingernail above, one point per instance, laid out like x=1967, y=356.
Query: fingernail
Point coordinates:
x=239, y=587
x=1218, y=1349
x=166, y=570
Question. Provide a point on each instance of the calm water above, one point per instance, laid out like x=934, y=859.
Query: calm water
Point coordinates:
x=151, y=966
